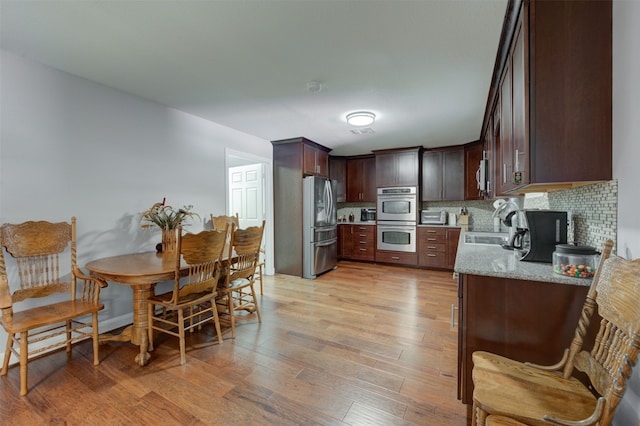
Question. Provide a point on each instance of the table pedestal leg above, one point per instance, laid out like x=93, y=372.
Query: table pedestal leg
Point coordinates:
x=139, y=335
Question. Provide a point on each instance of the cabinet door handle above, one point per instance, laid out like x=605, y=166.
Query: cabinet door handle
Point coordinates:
x=454, y=308
x=432, y=239
x=432, y=255
x=363, y=249
x=431, y=247
x=431, y=231
x=517, y=161
x=395, y=258
x=504, y=172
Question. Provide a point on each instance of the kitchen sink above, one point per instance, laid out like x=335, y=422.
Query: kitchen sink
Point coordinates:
x=487, y=238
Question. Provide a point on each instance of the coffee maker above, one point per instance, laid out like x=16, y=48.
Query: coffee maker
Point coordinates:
x=543, y=230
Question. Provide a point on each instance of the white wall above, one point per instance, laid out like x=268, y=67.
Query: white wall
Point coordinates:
x=626, y=151
x=71, y=147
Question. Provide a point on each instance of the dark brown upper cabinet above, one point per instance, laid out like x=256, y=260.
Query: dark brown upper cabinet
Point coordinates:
x=473, y=154
x=443, y=174
x=316, y=159
x=551, y=97
x=398, y=167
x=338, y=172
x=361, y=178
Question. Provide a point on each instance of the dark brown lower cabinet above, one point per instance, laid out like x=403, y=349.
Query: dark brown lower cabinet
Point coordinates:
x=523, y=320
x=357, y=242
x=437, y=246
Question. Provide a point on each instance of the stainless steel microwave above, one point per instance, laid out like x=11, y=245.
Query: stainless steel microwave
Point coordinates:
x=367, y=215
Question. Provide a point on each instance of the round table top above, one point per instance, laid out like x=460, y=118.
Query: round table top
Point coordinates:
x=136, y=268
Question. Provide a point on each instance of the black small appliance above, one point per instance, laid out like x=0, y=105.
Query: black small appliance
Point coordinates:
x=367, y=215
x=545, y=229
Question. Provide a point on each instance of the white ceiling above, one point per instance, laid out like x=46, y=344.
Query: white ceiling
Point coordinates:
x=423, y=67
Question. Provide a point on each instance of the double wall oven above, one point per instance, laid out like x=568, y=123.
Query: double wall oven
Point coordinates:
x=397, y=211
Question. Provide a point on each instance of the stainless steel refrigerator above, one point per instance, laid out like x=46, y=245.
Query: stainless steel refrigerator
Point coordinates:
x=319, y=223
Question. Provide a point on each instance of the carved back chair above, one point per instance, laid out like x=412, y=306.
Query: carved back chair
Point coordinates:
x=538, y=395
x=237, y=290
x=39, y=249
x=220, y=221
x=191, y=302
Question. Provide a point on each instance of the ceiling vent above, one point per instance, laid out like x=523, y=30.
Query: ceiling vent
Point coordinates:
x=362, y=131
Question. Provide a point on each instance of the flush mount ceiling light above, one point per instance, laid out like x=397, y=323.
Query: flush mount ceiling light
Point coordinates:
x=361, y=118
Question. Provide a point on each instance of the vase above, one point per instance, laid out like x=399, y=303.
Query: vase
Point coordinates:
x=169, y=240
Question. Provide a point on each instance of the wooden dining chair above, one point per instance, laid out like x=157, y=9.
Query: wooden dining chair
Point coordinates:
x=33, y=313
x=542, y=395
x=237, y=289
x=191, y=303
x=219, y=221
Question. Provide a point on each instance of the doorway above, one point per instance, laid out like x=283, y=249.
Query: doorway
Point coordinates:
x=249, y=193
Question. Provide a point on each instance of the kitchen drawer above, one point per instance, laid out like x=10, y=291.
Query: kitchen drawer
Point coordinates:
x=437, y=246
x=429, y=247
x=363, y=232
x=397, y=257
x=363, y=252
x=358, y=242
x=432, y=235
x=433, y=258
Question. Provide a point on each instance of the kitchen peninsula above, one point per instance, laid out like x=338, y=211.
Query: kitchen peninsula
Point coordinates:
x=521, y=310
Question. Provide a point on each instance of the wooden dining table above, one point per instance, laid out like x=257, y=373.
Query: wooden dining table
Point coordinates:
x=140, y=271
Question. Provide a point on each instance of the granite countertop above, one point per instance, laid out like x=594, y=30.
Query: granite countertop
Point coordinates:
x=494, y=261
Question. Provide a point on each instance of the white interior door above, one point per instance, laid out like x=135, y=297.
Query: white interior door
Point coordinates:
x=246, y=194
x=250, y=194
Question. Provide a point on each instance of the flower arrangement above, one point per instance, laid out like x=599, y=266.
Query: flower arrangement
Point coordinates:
x=166, y=217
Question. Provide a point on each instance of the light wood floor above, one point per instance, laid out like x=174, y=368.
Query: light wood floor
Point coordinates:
x=361, y=345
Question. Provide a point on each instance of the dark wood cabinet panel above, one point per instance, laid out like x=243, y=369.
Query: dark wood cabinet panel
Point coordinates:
x=361, y=175
x=357, y=242
x=338, y=172
x=453, y=174
x=288, y=173
x=315, y=160
x=573, y=91
x=443, y=174
x=397, y=257
x=473, y=154
x=519, y=95
x=452, y=236
x=398, y=167
x=555, y=127
x=437, y=246
x=364, y=237
x=506, y=133
x=524, y=320
x=431, y=176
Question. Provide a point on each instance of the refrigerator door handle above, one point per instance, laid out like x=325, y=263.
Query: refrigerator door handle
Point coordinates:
x=326, y=243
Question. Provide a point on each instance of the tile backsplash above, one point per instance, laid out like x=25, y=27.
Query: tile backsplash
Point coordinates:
x=593, y=210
